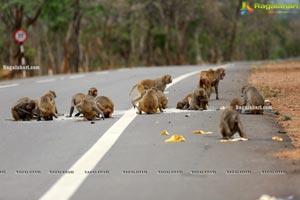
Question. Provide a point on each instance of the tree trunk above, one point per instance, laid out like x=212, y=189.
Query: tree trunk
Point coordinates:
x=229, y=54
x=71, y=46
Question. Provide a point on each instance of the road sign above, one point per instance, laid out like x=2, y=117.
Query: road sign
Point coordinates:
x=20, y=36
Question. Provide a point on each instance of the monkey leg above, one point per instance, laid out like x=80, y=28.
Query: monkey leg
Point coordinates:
x=217, y=92
x=225, y=130
x=71, y=111
x=15, y=114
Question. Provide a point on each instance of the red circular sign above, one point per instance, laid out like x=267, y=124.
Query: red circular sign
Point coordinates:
x=20, y=36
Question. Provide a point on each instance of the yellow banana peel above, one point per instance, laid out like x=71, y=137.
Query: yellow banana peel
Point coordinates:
x=164, y=133
x=277, y=139
x=175, y=138
x=202, y=132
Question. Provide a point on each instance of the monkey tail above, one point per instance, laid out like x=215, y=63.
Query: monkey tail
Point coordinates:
x=132, y=89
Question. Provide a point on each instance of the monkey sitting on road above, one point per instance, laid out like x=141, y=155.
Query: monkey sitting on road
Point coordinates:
x=184, y=103
x=162, y=99
x=148, y=102
x=230, y=122
x=77, y=98
x=253, y=99
x=87, y=106
x=198, y=100
x=23, y=109
x=106, y=105
x=46, y=106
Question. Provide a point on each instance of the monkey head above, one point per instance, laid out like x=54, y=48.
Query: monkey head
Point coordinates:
x=53, y=93
x=93, y=92
x=179, y=105
x=201, y=93
x=236, y=104
x=243, y=90
x=221, y=72
x=167, y=78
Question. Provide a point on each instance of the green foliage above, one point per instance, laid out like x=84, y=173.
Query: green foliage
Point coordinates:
x=287, y=118
x=56, y=14
x=158, y=32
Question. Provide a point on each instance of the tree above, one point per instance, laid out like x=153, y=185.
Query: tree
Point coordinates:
x=71, y=46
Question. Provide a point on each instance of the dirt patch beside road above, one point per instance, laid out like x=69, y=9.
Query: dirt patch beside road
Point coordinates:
x=280, y=83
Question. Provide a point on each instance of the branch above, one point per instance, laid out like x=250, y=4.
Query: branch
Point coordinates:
x=31, y=20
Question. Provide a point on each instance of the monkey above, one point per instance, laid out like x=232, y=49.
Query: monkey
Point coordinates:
x=184, y=103
x=253, y=99
x=46, y=106
x=23, y=109
x=162, y=99
x=214, y=77
x=106, y=105
x=148, y=102
x=198, y=100
x=230, y=121
x=205, y=83
x=236, y=104
x=159, y=83
x=87, y=106
x=76, y=99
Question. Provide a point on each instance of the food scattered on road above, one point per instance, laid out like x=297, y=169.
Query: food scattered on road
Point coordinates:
x=164, y=133
x=202, y=132
x=175, y=138
x=222, y=107
x=277, y=139
x=234, y=140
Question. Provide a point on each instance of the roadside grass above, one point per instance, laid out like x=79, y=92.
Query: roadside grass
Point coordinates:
x=280, y=83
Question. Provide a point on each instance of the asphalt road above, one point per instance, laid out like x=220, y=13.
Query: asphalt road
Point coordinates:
x=126, y=157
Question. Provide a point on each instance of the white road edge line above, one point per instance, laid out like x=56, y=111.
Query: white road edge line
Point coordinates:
x=10, y=85
x=67, y=185
x=101, y=73
x=76, y=76
x=46, y=81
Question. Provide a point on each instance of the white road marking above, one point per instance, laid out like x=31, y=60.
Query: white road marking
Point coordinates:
x=101, y=73
x=46, y=81
x=67, y=185
x=76, y=76
x=9, y=85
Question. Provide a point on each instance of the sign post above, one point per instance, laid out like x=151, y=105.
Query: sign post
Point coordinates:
x=20, y=37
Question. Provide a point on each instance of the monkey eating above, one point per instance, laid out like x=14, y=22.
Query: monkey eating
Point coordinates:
x=162, y=99
x=106, y=105
x=46, y=106
x=77, y=98
x=198, y=100
x=253, y=100
x=184, y=103
x=87, y=106
x=148, y=102
x=24, y=109
x=230, y=122
x=146, y=84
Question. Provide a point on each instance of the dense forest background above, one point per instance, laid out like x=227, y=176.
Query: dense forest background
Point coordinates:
x=73, y=36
